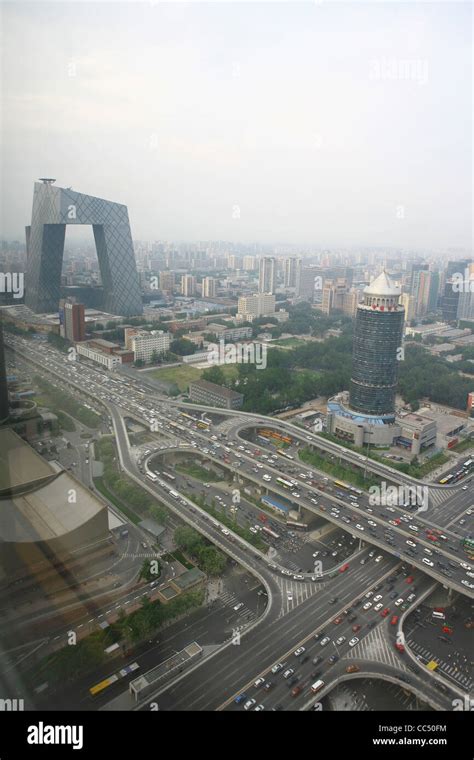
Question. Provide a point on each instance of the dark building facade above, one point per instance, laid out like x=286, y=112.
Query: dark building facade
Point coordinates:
x=377, y=342
x=53, y=209
x=3, y=378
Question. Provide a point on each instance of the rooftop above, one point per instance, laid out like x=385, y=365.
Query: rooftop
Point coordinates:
x=382, y=286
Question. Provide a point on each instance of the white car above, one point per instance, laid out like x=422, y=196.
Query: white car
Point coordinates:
x=250, y=703
x=259, y=708
x=414, y=528
x=377, y=598
x=369, y=593
x=378, y=606
x=325, y=641
x=298, y=577
x=238, y=606
x=359, y=527
x=427, y=551
x=379, y=558
x=295, y=494
x=259, y=682
x=277, y=667
x=470, y=575
x=353, y=641
x=465, y=566
x=299, y=651
x=371, y=522
x=399, y=602
x=411, y=597
x=340, y=640
x=427, y=561
x=466, y=583
x=316, y=554
x=288, y=673
x=367, y=606
x=411, y=543
x=225, y=532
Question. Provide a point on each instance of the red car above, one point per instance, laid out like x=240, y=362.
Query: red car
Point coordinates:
x=385, y=612
x=344, y=568
x=400, y=647
x=356, y=628
x=447, y=629
x=409, y=579
x=337, y=621
x=394, y=620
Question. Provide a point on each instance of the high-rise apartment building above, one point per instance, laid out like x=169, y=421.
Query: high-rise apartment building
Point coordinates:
x=188, y=285
x=167, y=282
x=258, y=305
x=209, y=287
x=72, y=321
x=291, y=266
x=267, y=275
x=305, y=282
x=250, y=263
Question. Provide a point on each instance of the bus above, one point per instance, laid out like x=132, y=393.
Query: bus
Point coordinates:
x=276, y=436
x=296, y=525
x=99, y=687
x=174, y=494
x=468, y=464
x=284, y=454
x=168, y=476
x=270, y=532
x=151, y=476
x=112, y=648
x=284, y=483
x=356, y=490
x=94, y=690
x=188, y=416
x=317, y=686
x=443, y=481
x=339, y=484
x=203, y=424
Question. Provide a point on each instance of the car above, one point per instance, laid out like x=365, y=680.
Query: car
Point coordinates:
x=250, y=703
x=277, y=667
x=259, y=682
x=337, y=620
x=296, y=690
x=288, y=673
x=400, y=647
x=368, y=594
x=464, y=488
x=340, y=640
x=268, y=685
x=240, y=699
x=333, y=600
x=367, y=606
x=371, y=522
x=379, y=558
x=377, y=598
x=467, y=584
x=298, y=577
x=259, y=708
x=295, y=494
x=385, y=612
x=353, y=641
x=316, y=660
x=315, y=554
x=378, y=607
x=410, y=543
x=371, y=554
x=238, y=606
x=289, y=596
x=356, y=628
x=344, y=568
x=352, y=669
x=359, y=527
x=399, y=602
x=394, y=620
x=325, y=641
x=333, y=658
x=427, y=561
x=299, y=651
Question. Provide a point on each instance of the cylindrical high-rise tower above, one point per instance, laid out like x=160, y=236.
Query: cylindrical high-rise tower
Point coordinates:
x=376, y=348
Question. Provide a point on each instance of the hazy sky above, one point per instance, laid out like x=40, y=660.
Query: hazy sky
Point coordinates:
x=318, y=122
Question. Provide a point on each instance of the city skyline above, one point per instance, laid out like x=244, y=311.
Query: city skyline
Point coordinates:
x=362, y=142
